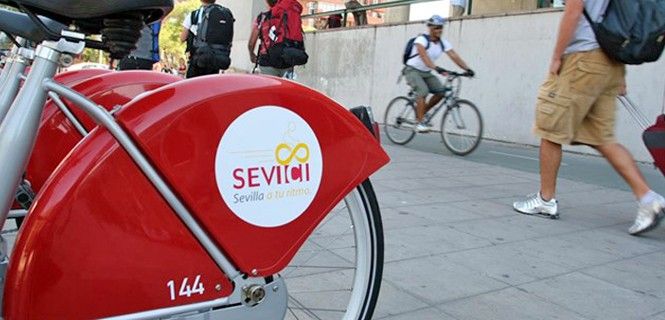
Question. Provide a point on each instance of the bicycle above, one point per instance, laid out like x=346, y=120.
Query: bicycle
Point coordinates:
x=61, y=125
x=461, y=126
x=206, y=198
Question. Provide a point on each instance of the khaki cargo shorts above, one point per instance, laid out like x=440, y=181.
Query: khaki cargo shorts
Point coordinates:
x=422, y=82
x=578, y=106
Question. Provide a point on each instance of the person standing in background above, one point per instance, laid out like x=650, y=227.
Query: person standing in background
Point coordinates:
x=146, y=53
x=458, y=8
x=360, y=17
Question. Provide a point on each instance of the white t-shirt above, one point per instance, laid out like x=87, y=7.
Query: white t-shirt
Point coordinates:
x=584, y=39
x=187, y=21
x=435, y=51
x=461, y=3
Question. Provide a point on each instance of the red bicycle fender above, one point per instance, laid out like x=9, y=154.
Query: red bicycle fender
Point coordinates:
x=100, y=241
x=63, y=129
x=181, y=126
x=70, y=78
x=57, y=135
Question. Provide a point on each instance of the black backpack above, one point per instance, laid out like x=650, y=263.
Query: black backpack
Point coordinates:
x=409, y=47
x=631, y=31
x=214, y=37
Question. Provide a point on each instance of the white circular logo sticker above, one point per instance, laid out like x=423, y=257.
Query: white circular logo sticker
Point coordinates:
x=268, y=166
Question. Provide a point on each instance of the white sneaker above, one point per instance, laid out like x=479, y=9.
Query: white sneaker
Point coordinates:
x=648, y=216
x=534, y=204
x=422, y=128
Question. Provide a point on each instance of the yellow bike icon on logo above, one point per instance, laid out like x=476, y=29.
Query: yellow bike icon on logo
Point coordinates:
x=299, y=152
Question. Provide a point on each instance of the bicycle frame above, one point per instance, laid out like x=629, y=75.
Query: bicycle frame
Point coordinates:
x=227, y=250
x=450, y=96
x=10, y=79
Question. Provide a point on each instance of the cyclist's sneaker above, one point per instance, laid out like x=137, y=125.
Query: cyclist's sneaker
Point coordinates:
x=422, y=128
x=534, y=204
x=648, y=216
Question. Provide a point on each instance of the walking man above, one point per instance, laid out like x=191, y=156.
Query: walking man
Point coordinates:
x=576, y=105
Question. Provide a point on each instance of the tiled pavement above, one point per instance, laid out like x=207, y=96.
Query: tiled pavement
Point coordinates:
x=455, y=249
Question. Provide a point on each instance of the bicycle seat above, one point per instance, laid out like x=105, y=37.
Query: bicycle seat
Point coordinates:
x=64, y=10
x=19, y=24
x=118, y=21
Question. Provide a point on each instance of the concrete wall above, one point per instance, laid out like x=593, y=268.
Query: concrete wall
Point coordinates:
x=244, y=11
x=501, y=6
x=510, y=55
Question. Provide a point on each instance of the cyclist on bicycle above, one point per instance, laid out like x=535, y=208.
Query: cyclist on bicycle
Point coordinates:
x=428, y=48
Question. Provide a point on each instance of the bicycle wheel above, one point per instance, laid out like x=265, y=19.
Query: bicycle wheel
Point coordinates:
x=462, y=128
x=337, y=272
x=399, y=120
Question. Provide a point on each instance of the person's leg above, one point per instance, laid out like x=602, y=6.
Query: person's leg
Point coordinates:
x=415, y=79
x=597, y=130
x=191, y=70
x=550, y=162
x=622, y=161
x=433, y=101
x=269, y=71
x=457, y=11
x=554, y=125
x=420, y=109
x=434, y=86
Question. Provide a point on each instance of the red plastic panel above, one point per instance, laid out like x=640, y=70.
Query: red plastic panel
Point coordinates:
x=99, y=241
x=62, y=132
x=180, y=127
x=57, y=135
x=654, y=139
x=70, y=78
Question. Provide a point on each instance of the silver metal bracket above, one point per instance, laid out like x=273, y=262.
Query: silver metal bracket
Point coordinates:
x=26, y=53
x=61, y=46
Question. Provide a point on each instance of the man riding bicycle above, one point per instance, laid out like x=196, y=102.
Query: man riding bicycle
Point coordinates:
x=428, y=48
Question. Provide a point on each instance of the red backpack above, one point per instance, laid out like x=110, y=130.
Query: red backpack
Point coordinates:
x=282, y=35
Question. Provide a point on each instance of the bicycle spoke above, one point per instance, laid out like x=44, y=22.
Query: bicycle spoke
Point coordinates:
x=317, y=253
x=331, y=276
x=399, y=120
x=461, y=128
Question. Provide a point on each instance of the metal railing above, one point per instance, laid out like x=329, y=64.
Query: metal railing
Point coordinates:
x=398, y=3
x=391, y=4
x=385, y=5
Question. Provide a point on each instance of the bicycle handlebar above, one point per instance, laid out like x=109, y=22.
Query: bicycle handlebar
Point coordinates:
x=453, y=74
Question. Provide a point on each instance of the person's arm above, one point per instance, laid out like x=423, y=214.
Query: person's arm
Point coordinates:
x=184, y=34
x=457, y=59
x=251, y=45
x=186, y=26
x=571, y=17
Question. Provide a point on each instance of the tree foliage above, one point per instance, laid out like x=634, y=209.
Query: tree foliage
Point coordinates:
x=169, y=36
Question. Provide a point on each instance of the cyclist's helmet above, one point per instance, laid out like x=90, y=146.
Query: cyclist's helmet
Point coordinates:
x=436, y=20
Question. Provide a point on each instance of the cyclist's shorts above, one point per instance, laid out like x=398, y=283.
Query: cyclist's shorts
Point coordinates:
x=578, y=105
x=422, y=82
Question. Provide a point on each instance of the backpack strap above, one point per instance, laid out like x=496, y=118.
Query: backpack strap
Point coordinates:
x=588, y=17
x=414, y=45
x=202, y=29
x=263, y=16
x=155, y=28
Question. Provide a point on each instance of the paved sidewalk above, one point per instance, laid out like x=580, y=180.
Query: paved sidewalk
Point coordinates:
x=455, y=249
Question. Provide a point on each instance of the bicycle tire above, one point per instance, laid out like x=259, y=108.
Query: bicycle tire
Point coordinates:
x=306, y=302
x=450, y=130
x=393, y=126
